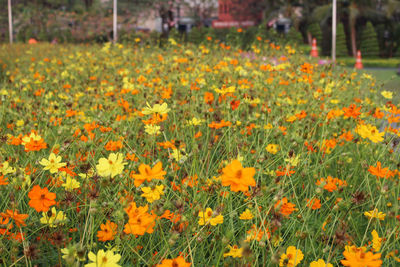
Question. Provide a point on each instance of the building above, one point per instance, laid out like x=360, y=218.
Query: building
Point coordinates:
x=238, y=13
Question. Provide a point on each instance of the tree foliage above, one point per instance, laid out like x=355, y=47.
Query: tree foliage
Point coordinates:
x=369, y=42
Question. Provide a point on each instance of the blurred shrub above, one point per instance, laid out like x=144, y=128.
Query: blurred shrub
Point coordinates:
x=369, y=42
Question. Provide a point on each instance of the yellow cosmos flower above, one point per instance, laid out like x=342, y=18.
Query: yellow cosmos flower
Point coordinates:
x=225, y=90
x=272, y=148
x=178, y=154
x=32, y=136
x=53, y=218
x=53, y=163
x=70, y=183
x=268, y=126
x=370, y=132
x=246, y=215
x=152, y=195
x=234, y=251
x=112, y=166
x=292, y=257
x=387, y=94
x=5, y=168
x=20, y=123
x=195, y=121
x=208, y=217
x=157, y=108
x=104, y=259
x=293, y=161
x=291, y=118
x=376, y=241
x=152, y=129
x=320, y=263
x=375, y=214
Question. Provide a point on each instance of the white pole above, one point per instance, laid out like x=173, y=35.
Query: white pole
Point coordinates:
x=334, y=32
x=10, y=26
x=114, y=22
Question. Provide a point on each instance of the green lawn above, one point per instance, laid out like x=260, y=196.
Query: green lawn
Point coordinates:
x=371, y=62
x=389, y=78
x=386, y=77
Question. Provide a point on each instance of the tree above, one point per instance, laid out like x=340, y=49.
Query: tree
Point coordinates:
x=315, y=31
x=369, y=41
x=294, y=36
x=165, y=9
x=341, y=47
x=200, y=10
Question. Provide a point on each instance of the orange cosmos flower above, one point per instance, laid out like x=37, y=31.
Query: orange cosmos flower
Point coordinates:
x=18, y=218
x=285, y=208
x=218, y=125
x=331, y=184
x=237, y=177
x=131, y=157
x=301, y=115
x=198, y=134
x=378, y=114
x=208, y=98
x=352, y=111
x=356, y=257
x=33, y=143
x=314, y=203
x=257, y=233
x=3, y=180
x=177, y=262
x=147, y=173
x=140, y=221
x=15, y=141
x=113, y=145
x=378, y=171
x=347, y=136
x=41, y=199
x=167, y=144
x=190, y=181
x=108, y=231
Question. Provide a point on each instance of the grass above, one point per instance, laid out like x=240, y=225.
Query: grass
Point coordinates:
x=202, y=155
x=389, y=78
x=372, y=62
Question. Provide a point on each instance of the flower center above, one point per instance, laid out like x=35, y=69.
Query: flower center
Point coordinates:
x=104, y=260
x=238, y=174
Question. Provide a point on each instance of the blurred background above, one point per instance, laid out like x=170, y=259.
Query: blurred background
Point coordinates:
x=372, y=26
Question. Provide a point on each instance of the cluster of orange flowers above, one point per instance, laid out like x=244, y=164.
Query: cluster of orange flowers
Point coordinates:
x=140, y=221
x=331, y=184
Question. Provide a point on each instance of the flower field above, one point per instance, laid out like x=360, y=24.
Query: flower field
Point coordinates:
x=131, y=155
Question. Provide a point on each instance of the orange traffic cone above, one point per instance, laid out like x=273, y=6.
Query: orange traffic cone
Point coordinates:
x=358, y=64
x=32, y=41
x=314, y=49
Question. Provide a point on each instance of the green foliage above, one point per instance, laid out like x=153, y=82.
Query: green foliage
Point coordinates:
x=316, y=33
x=341, y=47
x=369, y=42
x=294, y=36
x=372, y=62
x=197, y=35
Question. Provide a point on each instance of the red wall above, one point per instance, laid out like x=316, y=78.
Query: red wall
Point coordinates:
x=236, y=14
